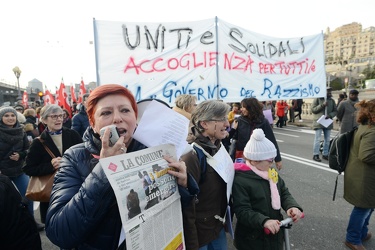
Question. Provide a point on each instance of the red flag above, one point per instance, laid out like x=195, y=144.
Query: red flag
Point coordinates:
x=82, y=91
x=73, y=96
x=63, y=98
x=48, y=98
x=25, y=99
x=57, y=96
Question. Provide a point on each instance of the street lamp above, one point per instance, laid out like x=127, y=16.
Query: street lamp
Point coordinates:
x=17, y=73
x=348, y=67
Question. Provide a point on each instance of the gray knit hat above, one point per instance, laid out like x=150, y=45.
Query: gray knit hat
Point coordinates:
x=6, y=110
x=259, y=148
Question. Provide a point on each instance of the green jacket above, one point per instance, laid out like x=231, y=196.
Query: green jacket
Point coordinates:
x=359, y=179
x=318, y=110
x=252, y=206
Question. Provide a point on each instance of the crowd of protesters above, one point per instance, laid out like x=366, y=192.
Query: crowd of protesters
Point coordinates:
x=242, y=131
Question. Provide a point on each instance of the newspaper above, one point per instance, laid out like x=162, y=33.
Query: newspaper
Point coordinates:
x=147, y=197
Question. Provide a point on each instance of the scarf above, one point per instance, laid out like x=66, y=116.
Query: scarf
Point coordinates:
x=272, y=177
x=58, y=132
x=11, y=135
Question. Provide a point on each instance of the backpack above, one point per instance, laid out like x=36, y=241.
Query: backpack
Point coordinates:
x=339, y=150
x=339, y=153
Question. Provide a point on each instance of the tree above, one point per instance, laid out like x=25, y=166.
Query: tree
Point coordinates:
x=369, y=72
x=336, y=84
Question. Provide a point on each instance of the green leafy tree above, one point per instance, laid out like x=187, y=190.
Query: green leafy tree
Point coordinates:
x=369, y=73
x=337, y=84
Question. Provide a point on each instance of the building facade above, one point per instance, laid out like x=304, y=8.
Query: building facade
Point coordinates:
x=349, y=50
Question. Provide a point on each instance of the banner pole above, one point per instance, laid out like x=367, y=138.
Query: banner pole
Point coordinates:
x=96, y=53
x=217, y=59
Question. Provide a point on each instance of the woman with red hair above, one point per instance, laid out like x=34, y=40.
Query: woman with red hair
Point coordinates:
x=83, y=212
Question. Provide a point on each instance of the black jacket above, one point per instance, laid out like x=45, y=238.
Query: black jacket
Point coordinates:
x=17, y=226
x=38, y=161
x=245, y=129
x=12, y=140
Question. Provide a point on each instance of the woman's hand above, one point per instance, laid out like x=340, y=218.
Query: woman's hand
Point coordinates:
x=117, y=149
x=279, y=165
x=235, y=124
x=56, y=162
x=15, y=156
x=179, y=172
x=272, y=225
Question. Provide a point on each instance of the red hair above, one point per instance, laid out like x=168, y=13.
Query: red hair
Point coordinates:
x=103, y=91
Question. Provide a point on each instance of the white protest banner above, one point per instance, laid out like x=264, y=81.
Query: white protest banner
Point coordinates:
x=211, y=59
x=269, y=68
x=157, y=60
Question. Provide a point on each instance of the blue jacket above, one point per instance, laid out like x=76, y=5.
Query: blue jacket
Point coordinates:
x=80, y=121
x=83, y=211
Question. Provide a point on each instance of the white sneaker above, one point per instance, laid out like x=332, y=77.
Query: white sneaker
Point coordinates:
x=300, y=120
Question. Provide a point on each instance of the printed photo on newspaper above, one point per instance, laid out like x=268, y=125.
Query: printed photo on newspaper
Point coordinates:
x=148, y=198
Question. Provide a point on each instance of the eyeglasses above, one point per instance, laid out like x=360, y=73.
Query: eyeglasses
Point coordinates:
x=224, y=119
x=54, y=117
x=268, y=160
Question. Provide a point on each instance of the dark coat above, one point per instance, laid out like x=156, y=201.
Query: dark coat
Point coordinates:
x=245, y=129
x=359, y=178
x=346, y=113
x=252, y=206
x=38, y=161
x=200, y=225
x=12, y=140
x=80, y=121
x=17, y=226
x=83, y=211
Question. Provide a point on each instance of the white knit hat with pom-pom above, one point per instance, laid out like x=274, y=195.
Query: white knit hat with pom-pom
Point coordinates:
x=259, y=148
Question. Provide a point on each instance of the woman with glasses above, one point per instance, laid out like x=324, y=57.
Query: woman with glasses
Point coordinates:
x=252, y=117
x=203, y=218
x=57, y=138
x=258, y=196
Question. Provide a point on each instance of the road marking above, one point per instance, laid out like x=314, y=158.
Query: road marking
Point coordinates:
x=286, y=134
x=311, y=163
x=297, y=129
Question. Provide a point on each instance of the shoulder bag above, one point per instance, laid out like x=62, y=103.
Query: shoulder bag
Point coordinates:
x=40, y=187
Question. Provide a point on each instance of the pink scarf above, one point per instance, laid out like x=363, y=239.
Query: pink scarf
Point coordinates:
x=275, y=196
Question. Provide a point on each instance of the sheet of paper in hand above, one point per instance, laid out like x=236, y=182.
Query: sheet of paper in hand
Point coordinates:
x=325, y=122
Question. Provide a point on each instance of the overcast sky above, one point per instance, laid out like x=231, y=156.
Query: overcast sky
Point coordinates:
x=49, y=40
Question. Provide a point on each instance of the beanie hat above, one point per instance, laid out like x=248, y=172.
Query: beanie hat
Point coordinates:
x=259, y=147
x=6, y=110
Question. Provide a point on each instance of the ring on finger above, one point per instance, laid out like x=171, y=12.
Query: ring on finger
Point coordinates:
x=122, y=149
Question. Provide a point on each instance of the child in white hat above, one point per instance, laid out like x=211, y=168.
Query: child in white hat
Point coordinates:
x=258, y=196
